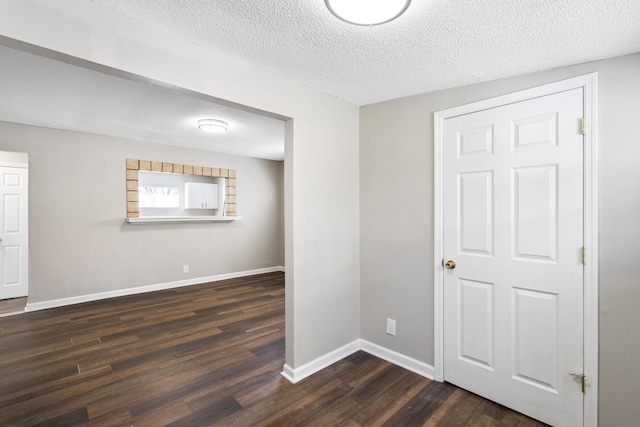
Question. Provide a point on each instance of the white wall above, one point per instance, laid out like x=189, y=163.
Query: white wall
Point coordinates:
x=321, y=173
x=396, y=163
x=79, y=242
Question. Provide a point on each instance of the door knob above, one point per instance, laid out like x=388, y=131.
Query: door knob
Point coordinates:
x=450, y=265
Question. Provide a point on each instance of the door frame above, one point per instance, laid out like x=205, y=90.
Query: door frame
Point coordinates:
x=589, y=85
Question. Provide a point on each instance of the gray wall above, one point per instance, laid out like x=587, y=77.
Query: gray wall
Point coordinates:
x=396, y=211
x=79, y=243
x=14, y=157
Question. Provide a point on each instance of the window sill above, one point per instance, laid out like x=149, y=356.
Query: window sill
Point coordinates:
x=181, y=219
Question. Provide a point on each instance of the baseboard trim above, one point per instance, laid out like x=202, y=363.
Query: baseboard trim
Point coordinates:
x=308, y=369
x=399, y=359
x=43, y=305
x=316, y=365
x=13, y=313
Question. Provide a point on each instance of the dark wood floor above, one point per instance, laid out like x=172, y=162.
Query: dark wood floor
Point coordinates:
x=205, y=355
x=13, y=306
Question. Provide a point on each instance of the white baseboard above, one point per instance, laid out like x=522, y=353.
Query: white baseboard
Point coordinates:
x=43, y=305
x=316, y=365
x=13, y=313
x=399, y=359
x=308, y=369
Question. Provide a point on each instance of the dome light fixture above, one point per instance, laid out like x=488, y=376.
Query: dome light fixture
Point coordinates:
x=212, y=125
x=367, y=12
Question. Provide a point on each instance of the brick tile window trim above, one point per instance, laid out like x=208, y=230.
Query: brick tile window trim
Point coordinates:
x=134, y=166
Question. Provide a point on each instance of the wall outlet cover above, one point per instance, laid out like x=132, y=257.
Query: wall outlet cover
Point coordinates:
x=391, y=327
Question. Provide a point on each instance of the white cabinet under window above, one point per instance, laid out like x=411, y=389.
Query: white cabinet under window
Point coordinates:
x=200, y=195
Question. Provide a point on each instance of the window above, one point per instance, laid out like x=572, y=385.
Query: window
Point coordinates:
x=158, y=197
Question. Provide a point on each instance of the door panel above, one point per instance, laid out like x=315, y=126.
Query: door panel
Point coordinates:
x=11, y=213
x=12, y=265
x=14, y=233
x=476, y=216
x=535, y=213
x=535, y=338
x=476, y=322
x=513, y=223
x=475, y=142
x=535, y=132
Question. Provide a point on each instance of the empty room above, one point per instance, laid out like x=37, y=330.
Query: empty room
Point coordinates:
x=358, y=213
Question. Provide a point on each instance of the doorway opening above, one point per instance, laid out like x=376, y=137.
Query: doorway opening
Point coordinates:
x=14, y=232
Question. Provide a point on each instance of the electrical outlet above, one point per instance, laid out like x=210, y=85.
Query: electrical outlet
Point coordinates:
x=391, y=326
x=185, y=268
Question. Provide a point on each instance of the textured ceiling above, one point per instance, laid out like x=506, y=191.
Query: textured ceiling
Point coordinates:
x=44, y=92
x=436, y=44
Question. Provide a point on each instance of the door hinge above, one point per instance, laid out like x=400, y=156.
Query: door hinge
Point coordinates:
x=583, y=126
x=583, y=380
x=584, y=256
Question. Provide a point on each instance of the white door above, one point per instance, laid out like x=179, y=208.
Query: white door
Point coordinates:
x=14, y=268
x=513, y=225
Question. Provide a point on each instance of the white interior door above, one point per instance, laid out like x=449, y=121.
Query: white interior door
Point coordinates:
x=14, y=268
x=513, y=224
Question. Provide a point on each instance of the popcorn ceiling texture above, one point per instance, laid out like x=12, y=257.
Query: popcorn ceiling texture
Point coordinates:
x=436, y=44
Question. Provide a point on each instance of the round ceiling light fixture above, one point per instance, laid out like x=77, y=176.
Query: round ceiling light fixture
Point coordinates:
x=367, y=12
x=212, y=125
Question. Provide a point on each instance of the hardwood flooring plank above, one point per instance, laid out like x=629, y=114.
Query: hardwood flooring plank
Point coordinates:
x=67, y=419
x=16, y=380
x=210, y=414
x=37, y=396
x=492, y=410
x=377, y=385
x=337, y=412
x=13, y=306
x=355, y=375
x=418, y=410
x=163, y=416
x=442, y=416
x=388, y=403
x=118, y=418
x=272, y=347
x=307, y=406
x=173, y=351
x=173, y=390
x=464, y=411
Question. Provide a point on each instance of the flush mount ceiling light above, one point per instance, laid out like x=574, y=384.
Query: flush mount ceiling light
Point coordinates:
x=367, y=12
x=212, y=125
